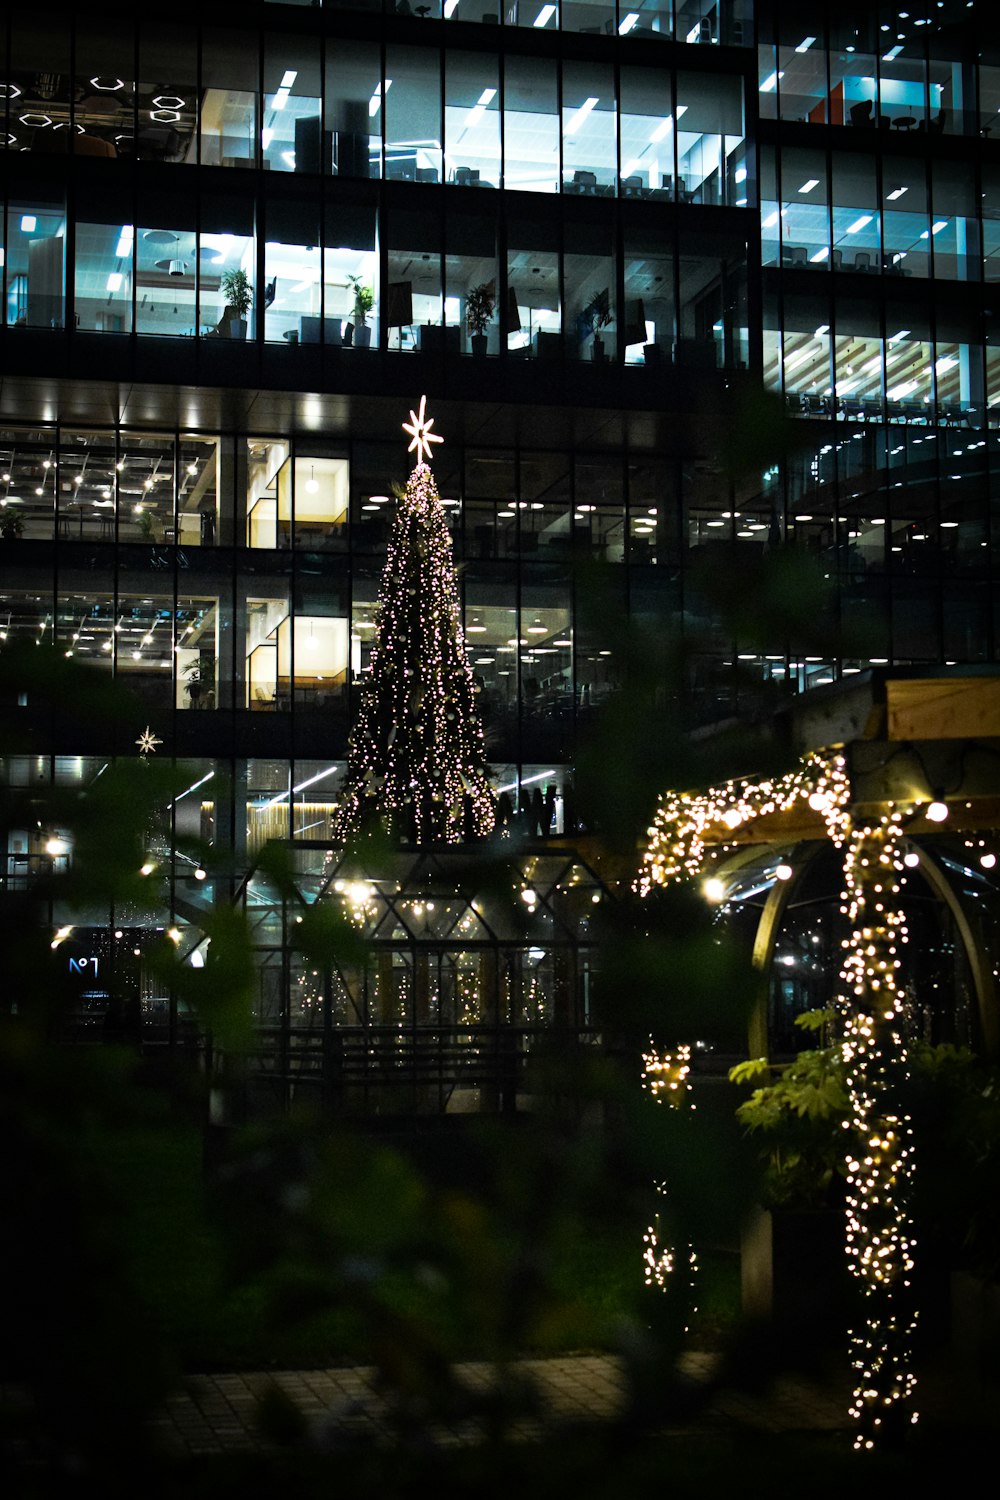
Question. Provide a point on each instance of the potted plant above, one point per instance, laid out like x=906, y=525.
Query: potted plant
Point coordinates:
x=364, y=301
x=235, y=286
x=480, y=302
x=599, y=312
x=11, y=525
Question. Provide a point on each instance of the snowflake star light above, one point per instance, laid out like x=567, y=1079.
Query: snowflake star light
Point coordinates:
x=148, y=742
x=419, y=426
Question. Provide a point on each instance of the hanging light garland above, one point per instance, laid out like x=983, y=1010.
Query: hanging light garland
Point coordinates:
x=880, y=1241
x=875, y=1022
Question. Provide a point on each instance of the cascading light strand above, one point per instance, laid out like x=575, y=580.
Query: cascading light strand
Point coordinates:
x=880, y=1241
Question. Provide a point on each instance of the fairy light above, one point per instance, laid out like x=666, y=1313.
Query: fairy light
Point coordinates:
x=873, y=1014
x=880, y=1242
x=417, y=753
x=685, y=822
x=666, y=1075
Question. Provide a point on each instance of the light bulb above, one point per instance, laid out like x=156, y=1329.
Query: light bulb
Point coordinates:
x=312, y=483
x=937, y=811
x=784, y=872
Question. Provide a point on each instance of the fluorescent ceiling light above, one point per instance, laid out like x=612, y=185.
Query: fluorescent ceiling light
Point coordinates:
x=627, y=22
x=893, y=337
x=740, y=174
x=820, y=255
x=807, y=187
x=770, y=83
x=859, y=224
x=28, y=223
x=897, y=193
x=280, y=99
x=288, y=78
x=823, y=328
x=805, y=44
x=124, y=247
x=770, y=221
x=115, y=281
x=576, y=120
x=479, y=108
x=662, y=128
x=938, y=225
x=450, y=7
x=544, y=15
x=892, y=52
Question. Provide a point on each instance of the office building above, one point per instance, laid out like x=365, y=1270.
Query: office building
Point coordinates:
x=665, y=206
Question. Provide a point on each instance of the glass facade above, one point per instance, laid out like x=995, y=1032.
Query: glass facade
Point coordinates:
x=203, y=488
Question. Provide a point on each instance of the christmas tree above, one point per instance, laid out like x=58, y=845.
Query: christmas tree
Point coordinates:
x=416, y=757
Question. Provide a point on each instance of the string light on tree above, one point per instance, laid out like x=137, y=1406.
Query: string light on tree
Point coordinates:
x=875, y=1023
x=416, y=756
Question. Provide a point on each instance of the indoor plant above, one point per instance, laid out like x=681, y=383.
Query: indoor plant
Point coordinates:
x=364, y=301
x=235, y=286
x=480, y=302
x=600, y=316
x=11, y=525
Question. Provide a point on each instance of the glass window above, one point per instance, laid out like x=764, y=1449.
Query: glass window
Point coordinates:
x=292, y=136
x=199, y=463
x=807, y=353
x=802, y=88
x=531, y=125
x=647, y=133
x=533, y=315
x=105, y=250
x=412, y=115
x=167, y=99
x=166, y=260
x=225, y=245
x=88, y=485
x=589, y=289
x=649, y=311
x=594, y=16
x=905, y=225
x=951, y=94
x=292, y=301
x=909, y=364
x=471, y=265
x=28, y=480
x=354, y=107
x=38, y=94
x=991, y=222
x=229, y=84
x=350, y=274
x=954, y=227
x=472, y=119
x=544, y=509
x=599, y=509
x=805, y=211
x=856, y=244
x=654, y=512
x=319, y=494
x=414, y=303
x=709, y=132
x=491, y=650
x=104, y=97
x=902, y=92
x=36, y=258
x=266, y=458
x=589, y=130
x=489, y=503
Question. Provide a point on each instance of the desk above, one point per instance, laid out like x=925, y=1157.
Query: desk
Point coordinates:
x=904, y=122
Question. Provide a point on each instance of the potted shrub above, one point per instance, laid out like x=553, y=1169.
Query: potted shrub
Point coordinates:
x=364, y=301
x=480, y=302
x=11, y=525
x=236, y=289
x=599, y=313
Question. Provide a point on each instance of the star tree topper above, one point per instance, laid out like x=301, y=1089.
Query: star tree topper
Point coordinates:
x=148, y=742
x=419, y=426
